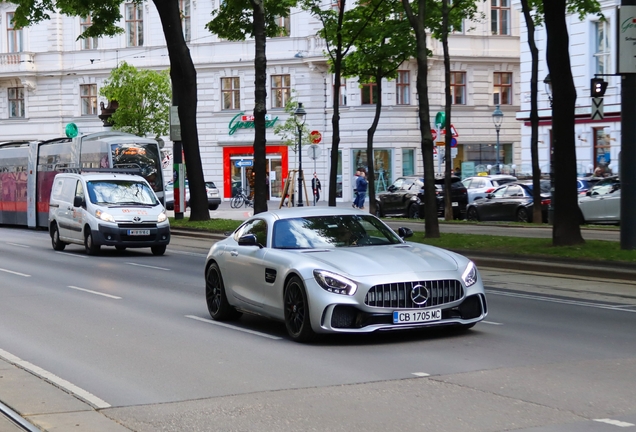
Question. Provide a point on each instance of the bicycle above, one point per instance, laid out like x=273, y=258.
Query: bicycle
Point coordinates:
x=241, y=198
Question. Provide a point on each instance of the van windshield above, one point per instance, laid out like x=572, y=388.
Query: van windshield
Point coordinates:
x=120, y=192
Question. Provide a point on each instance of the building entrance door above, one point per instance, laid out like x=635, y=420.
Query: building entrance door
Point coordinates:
x=242, y=175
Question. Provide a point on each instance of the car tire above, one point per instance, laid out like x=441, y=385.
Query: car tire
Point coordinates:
x=89, y=243
x=297, y=317
x=57, y=244
x=158, y=250
x=378, y=210
x=414, y=211
x=213, y=206
x=218, y=306
x=522, y=215
x=472, y=215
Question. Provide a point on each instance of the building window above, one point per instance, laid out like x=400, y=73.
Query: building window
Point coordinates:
x=458, y=88
x=186, y=26
x=502, y=88
x=87, y=43
x=335, y=5
x=88, y=94
x=284, y=26
x=231, y=91
x=601, y=47
x=408, y=162
x=134, y=25
x=500, y=17
x=369, y=93
x=16, y=102
x=403, y=88
x=281, y=90
x=342, y=97
x=14, y=35
x=382, y=163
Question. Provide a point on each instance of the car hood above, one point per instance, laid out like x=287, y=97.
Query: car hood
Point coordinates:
x=382, y=260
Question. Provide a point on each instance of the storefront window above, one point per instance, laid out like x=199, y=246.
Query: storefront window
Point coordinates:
x=408, y=162
x=382, y=164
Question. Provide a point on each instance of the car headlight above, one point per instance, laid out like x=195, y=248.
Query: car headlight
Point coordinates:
x=470, y=274
x=335, y=283
x=162, y=217
x=106, y=217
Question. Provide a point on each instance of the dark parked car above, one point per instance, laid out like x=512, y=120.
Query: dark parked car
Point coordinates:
x=510, y=202
x=405, y=197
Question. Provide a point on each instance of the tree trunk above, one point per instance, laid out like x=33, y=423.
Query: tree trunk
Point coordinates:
x=448, y=160
x=566, y=230
x=260, y=94
x=335, y=119
x=370, y=134
x=184, y=95
x=431, y=224
x=537, y=216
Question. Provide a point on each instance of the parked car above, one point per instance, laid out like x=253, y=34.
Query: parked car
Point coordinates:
x=602, y=203
x=214, y=197
x=405, y=197
x=510, y=202
x=584, y=184
x=480, y=186
x=362, y=277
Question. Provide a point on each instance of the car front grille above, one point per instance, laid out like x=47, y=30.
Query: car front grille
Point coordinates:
x=398, y=295
x=143, y=225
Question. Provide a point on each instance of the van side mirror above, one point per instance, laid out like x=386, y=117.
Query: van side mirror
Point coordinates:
x=78, y=201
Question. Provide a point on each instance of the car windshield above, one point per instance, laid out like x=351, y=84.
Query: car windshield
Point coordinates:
x=319, y=232
x=120, y=192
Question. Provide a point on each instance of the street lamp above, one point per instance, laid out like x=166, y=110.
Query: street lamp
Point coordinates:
x=497, y=118
x=299, y=118
x=548, y=87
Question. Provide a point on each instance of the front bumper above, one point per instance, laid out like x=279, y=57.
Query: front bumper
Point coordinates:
x=118, y=235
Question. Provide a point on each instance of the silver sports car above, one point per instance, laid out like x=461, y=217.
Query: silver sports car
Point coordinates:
x=333, y=270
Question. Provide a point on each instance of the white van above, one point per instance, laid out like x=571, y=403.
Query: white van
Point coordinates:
x=106, y=209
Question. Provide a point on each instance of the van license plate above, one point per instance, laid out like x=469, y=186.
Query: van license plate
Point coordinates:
x=138, y=232
x=455, y=204
x=403, y=317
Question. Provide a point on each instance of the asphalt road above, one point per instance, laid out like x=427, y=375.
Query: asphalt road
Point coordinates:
x=130, y=334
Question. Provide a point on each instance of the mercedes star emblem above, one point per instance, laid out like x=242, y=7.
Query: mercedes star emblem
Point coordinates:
x=419, y=295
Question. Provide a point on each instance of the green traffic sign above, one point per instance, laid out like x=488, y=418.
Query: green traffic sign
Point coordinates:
x=71, y=130
x=440, y=119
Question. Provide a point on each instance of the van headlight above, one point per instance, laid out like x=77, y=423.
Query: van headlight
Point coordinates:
x=162, y=217
x=335, y=283
x=106, y=217
x=470, y=274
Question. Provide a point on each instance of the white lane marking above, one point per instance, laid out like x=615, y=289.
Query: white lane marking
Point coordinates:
x=94, y=292
x=18, y=245
x=265, y=335
x=420, y=374
x=55, y=380
x=148, y=266
x=15, y=273
x=614, y=422
x=491, y=323
x=172, y=251
x=72, y=255
x=562, y=301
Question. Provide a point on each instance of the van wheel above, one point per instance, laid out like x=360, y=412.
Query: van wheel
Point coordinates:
x=89, y=244
x=57, y=244
x=158, y=250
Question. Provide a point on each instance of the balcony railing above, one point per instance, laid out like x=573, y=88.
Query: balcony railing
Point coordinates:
x=17, y=62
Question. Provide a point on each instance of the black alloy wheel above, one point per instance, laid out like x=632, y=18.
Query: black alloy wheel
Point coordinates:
x=522, y=215
x=89, y=243
x=57, y=244
x=296, y=306
x=472, y=214
x=414, y=211
x=218, y=306
x=378, y=209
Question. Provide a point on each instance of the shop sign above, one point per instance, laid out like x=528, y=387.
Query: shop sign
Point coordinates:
x=242, y=121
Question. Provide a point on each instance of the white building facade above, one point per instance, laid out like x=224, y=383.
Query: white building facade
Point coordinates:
x=48, y=79
x=592, y=53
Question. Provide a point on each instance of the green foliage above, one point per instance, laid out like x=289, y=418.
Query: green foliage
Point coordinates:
x=288, y=131
x=144, y=100
x=582, y=8
x=459, y=10
x=233, y=20
x=374, y=25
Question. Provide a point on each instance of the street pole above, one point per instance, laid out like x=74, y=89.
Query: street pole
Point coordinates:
x=300, y=169
x=497, y=119
x=497, y=150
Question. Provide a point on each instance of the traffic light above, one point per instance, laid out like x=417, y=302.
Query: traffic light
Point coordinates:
x=598, y=87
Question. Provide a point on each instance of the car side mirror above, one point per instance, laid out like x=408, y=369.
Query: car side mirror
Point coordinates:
x=588, y=193
x=78, y=201
x=489, y=196
x=392, y=188
x=405, y=232
x=249, y=240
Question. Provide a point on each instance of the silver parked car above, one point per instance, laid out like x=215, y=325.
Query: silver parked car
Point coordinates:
x=481, y=186
x=602, y=203
x=332, y=270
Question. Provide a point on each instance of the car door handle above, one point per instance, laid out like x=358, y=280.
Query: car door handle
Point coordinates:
x=234, y=253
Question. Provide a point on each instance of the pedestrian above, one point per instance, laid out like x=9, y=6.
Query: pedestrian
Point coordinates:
x=316, y=187
x=355, y=190
x=361, y=187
